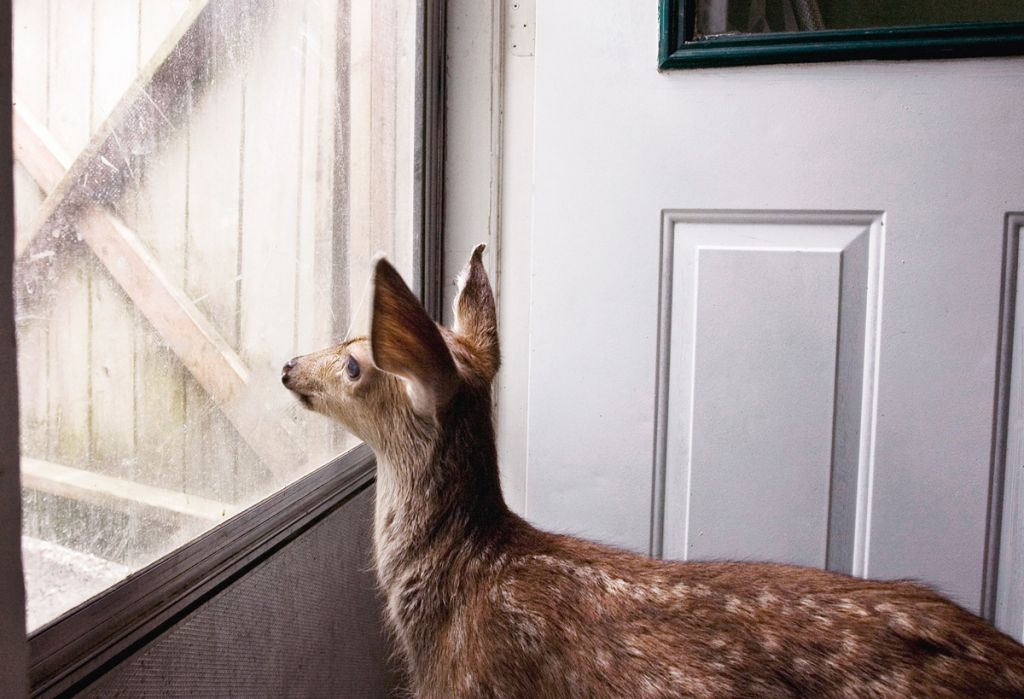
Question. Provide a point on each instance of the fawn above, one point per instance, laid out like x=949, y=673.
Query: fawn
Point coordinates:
x=485, y=605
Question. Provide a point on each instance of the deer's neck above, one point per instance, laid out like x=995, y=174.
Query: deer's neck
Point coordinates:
x=435, y=501
x=439, y=519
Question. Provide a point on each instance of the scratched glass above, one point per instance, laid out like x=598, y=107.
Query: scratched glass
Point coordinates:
x=717, y=18
x=198, y=198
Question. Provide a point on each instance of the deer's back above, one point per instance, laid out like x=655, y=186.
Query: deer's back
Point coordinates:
x=563, y=617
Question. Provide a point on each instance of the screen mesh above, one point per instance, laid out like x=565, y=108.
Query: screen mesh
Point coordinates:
x=307, y=622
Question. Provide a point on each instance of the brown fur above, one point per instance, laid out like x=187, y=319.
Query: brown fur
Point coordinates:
x=485, y=605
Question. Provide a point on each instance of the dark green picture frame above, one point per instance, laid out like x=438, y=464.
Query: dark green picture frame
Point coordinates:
x=677, y=48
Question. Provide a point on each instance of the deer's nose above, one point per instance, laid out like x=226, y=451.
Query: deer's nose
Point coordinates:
x=286, y=370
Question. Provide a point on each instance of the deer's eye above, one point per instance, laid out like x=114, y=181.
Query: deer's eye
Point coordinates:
x=352, y=368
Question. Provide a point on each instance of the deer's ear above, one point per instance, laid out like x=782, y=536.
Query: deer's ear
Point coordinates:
x=476, y=319
x=405, y=341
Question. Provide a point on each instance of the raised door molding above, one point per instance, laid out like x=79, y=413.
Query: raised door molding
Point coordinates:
x=767, y=365
x=1005, y=556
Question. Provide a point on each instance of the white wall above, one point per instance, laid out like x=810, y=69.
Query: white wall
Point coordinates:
x=488, y=195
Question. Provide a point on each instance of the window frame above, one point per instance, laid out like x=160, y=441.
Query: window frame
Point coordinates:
x=678, y=49
x=73, y=650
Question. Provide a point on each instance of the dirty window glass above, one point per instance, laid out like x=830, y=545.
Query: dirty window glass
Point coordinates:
x=198, y=197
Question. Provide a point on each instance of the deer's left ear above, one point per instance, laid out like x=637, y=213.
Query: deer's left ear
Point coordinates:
x=476, y=319
x=405, y=341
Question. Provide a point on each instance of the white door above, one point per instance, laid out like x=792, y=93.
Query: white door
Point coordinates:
x=766, y=312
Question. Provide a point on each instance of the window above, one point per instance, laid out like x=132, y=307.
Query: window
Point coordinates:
x=199, y=193
x=699, y=33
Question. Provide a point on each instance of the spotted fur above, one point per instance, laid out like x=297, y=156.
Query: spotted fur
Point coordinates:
x=485, y=605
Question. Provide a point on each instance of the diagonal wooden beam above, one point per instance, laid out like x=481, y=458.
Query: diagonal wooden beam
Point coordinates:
x=43, y=158
x=37, y=150
x=188, y=333
x=181, y=325
x=156, y=100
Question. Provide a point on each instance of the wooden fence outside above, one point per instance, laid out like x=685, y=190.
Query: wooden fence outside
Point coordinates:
x=200, y=187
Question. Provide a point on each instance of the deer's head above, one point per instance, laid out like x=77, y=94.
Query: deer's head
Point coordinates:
x=400, y=384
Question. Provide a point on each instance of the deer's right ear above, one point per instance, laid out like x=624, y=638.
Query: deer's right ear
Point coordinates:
x=475, y=315
x=405, y=341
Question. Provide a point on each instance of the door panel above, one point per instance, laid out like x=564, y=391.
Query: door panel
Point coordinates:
x=767, y=360
x=885, y=472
